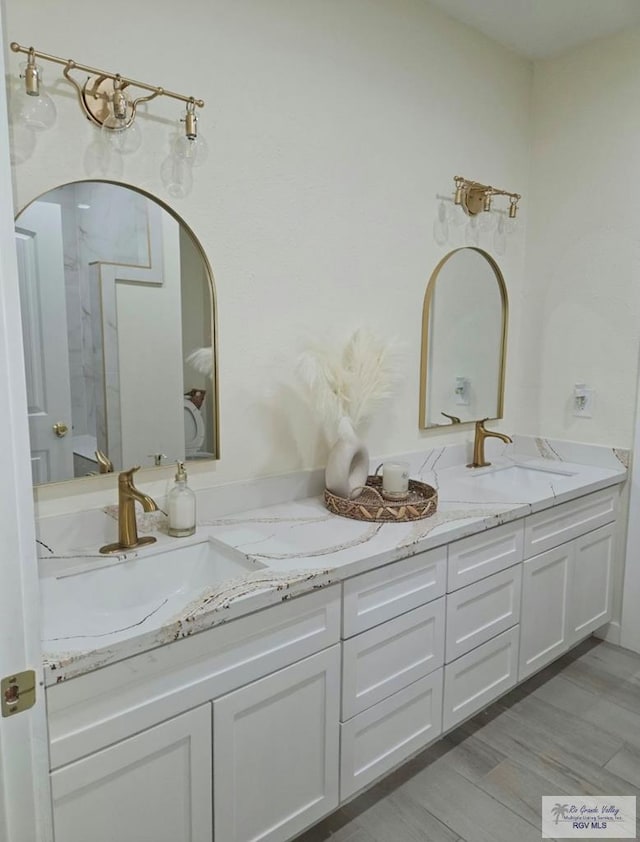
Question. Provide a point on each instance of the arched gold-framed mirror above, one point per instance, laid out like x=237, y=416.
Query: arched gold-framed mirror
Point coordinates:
x=464, y=339
x=119, y=324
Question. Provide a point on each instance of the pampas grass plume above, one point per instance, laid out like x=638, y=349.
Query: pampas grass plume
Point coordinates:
x=202, y=360
x=352, y=382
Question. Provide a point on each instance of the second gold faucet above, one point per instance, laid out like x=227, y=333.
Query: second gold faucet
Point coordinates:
x=479, y=460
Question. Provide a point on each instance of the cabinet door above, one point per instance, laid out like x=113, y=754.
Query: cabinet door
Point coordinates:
x=383, y=660
x=590, y=583
x=375, y=741
x=276, y=747
x=543, y=620
x=154, y=787
x=477, y=678
x=480, y=611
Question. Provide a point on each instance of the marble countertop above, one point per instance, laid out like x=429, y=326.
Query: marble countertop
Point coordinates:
x=299, y=546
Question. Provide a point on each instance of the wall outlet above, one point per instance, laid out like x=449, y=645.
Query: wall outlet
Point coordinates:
x=583, y=401
x=462, y=391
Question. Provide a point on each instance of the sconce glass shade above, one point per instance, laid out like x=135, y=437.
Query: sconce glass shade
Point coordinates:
x=36, y=110
x=195, y=150
x=120, y=139
x=177, y=176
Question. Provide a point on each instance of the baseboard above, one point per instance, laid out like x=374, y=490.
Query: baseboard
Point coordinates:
x=611, y=633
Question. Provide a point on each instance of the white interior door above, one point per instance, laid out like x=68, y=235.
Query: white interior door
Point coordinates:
x=25, y=802
x=44, y=327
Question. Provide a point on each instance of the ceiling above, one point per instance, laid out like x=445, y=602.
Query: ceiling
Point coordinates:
x=543, y=28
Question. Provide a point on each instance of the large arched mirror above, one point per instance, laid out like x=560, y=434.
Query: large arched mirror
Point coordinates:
x=464, y=335
x=118, y=316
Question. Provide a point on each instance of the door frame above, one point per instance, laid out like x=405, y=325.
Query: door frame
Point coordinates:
x=630, y=620
x=25, y=796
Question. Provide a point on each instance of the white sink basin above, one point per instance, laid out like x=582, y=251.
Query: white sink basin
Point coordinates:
x=521, y=477
x=122, y=599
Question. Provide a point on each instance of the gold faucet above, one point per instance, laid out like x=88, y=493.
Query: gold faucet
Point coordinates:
x=479, y=460
x=127, y=527
x=105, y=464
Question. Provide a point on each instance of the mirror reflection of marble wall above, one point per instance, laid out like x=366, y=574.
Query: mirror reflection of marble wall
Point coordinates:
x=463, y=341
x=111, y=364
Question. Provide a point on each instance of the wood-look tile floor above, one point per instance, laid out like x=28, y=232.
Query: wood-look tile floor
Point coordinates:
x=572, y=729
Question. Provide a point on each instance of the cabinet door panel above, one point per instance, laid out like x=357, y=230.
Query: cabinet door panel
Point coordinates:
x=480, y=611
x=477, y=556
x=383, y=660
x=375, y=597
x=276, y=752
x=479, y=677
x=590, y=583
x=544, y=620
x=154, y=787
x=551, y=527
x=388, y=733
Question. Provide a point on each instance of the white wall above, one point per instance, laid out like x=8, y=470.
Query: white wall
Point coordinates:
x=582, y=296
x=332, y=127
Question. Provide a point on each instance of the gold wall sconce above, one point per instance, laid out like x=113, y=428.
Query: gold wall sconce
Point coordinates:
x=475, y=198
x=107, y=101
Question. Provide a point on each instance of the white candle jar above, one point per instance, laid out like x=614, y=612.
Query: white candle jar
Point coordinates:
x=395, y=480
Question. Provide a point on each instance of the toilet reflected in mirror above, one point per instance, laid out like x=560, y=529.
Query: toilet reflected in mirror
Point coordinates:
x=118, y=317
x=195, y=431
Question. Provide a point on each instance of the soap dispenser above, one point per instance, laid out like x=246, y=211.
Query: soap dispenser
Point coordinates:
x=182, y=506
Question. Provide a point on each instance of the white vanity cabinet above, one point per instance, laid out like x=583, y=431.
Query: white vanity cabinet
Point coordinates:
x=566, y=591
x=276, y=746
x=152, y=787
x=254, y=730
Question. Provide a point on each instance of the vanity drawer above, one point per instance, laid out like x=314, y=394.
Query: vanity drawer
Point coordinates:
x=479, y=677
x=562, y=523
x=102, y=707
x=477, y=556
x=381, y=595
x=480, y=611
x=383, y=660
x=375, y=741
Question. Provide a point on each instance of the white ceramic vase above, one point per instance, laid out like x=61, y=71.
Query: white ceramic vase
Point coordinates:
x=348, y=462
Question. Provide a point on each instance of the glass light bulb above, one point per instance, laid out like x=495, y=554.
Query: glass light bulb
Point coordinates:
x=177, y=177
x=37, y=112
x=126, y=141
x=196, y=151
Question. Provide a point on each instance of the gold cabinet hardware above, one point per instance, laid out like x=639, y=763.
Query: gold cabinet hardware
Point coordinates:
x=18, y=692
x=60, y=429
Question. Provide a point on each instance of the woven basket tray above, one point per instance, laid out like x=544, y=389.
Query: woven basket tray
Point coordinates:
x=370, y=505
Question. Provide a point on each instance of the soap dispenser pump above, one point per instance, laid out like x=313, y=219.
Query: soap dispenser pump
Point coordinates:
x=182, y=506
